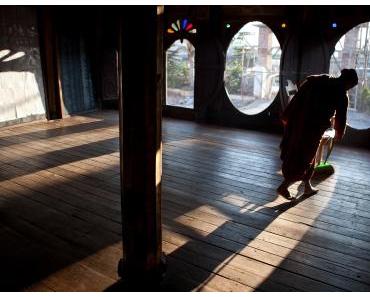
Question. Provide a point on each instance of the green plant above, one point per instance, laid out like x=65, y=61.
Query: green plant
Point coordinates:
x=233, y=77
x=365, y=99
x=180, y=65
x=177, y=73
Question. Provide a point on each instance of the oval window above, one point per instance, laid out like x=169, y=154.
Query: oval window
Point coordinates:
x=180, y=74
x=352, y=51
x=252, y=68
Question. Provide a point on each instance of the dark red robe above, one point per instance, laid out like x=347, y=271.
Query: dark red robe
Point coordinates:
x=306, y=118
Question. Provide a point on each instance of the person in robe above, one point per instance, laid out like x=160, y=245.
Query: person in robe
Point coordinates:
x=305, y=119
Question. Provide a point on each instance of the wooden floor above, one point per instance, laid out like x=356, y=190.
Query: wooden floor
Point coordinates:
x=224, y=228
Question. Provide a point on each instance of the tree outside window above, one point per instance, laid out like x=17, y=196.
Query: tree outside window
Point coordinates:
x=180, y=74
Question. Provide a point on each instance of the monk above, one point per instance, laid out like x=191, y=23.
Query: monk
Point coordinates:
x=307, y=116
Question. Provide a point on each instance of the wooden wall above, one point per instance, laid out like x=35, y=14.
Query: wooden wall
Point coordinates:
x=307, y=44
x=88, y=67
x=21, y=83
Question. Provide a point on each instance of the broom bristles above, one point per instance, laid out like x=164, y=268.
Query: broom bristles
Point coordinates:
x=325, y=168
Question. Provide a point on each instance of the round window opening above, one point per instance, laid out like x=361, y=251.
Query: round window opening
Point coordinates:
x=352, y=51
x=252, y=68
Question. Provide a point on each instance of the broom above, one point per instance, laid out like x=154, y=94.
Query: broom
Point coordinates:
x=324, y=168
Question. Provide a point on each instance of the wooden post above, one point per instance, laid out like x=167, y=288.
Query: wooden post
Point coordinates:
x=140, y=62
x=50, y=63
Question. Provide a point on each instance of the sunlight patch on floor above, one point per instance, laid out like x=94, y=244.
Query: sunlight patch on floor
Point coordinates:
x=291, y=228
x=45, y=177
x=186, y=219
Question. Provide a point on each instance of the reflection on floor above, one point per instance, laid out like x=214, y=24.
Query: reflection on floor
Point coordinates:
x=224, y=228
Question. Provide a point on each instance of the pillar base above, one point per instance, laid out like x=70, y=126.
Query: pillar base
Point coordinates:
x=149, y=281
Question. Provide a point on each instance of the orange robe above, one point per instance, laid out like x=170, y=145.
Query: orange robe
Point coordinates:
x=306, y=118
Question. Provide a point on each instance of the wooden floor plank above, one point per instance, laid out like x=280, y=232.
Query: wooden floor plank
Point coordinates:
x=275, y=208
x=225, y=229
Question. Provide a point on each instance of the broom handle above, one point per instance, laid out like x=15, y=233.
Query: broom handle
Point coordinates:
x=329, y=151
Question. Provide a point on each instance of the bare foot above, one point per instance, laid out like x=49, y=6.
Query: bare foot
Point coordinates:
x=283, y=191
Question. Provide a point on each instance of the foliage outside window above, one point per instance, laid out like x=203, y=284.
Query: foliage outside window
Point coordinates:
x=180, y=74
x=252, y=68
x=352, y=51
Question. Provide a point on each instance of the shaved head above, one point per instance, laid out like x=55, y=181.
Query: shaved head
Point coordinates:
x=349, y=78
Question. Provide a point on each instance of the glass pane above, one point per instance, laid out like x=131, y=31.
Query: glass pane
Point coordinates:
x=252, y=68
x=352, y=51
x=180, y=74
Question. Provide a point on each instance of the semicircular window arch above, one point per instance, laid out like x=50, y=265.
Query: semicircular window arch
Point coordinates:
x=180, y=74
x=252, y=68
x=352, y=51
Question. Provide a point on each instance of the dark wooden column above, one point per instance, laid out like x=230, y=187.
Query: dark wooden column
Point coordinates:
x=50, y=63
x=209, y=64
x=140, y=63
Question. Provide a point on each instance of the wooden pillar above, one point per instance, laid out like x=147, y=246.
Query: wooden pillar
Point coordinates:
x=50, y=63
x=209, y=63
x=140, y=62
